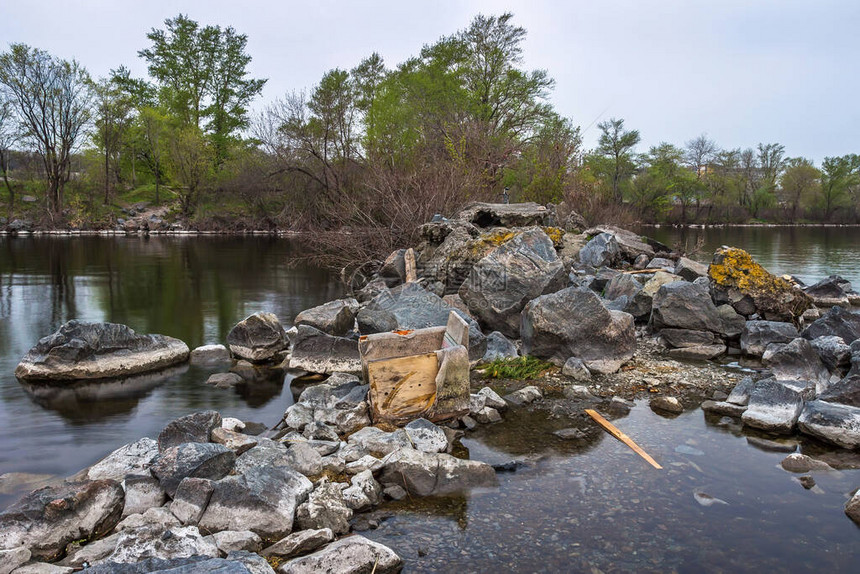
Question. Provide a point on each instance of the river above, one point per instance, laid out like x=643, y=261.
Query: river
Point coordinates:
x=591, y=507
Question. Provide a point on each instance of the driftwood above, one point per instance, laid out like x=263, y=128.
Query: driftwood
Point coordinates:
x=613, y=430
x=640, y=271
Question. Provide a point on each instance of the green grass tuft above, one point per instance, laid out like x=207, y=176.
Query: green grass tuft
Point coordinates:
x=519, y=368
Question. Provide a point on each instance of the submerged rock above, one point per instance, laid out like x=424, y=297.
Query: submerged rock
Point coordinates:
x=83, y=350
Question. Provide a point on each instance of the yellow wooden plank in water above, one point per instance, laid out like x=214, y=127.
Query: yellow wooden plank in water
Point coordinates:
x=613, y=430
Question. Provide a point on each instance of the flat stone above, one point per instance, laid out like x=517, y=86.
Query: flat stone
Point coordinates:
x=235, y=441
x=318, y=352
x=225, y=380
x=698, y=353
x=724, y=408
x=833, y=423
x=211, y=355
x=800, y=463
x=524, y=396
x=347, y=556
x=231, y=540
x=298, y=543
x=82, y=350
x=134, y=458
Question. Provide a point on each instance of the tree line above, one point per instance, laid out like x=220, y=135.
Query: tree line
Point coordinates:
x=373, y=150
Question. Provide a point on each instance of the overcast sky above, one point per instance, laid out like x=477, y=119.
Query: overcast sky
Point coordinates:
x=742, y=71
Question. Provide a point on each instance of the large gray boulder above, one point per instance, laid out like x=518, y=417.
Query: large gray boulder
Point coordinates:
x=833, y=423
x=601, y=251
x=684, y=305
x=837, y=321
x=798, y=361
x=773, y=406
x=508, y=277
x=197, y=460
x=416, y=308
x=48, y=519
x=84, y=350
x=262, y=500
x=142, y=492
x=574, y=323
x=259, y=338
x=195, y=427
x=426, y=474
x=318, y=352
x=348, y=555
x=334, y=318
x=757, y=335
x=689, y=269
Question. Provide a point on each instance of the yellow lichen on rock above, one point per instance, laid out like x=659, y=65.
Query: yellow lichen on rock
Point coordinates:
x=734, y=272
x=555, y=234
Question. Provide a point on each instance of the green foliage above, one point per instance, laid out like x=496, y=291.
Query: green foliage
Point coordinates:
x=202, y=78
x=520, y=368
x=616, y=144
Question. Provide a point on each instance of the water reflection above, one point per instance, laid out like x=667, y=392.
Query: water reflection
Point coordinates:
x=194, y=289
x=809, y=253
x=87, y=402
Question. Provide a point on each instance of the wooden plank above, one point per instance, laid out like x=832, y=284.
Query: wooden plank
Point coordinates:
x=411, y=271
x=639, y=271
x=400, y=343
x=613, y=430
x=456, y=331
x=402, y=387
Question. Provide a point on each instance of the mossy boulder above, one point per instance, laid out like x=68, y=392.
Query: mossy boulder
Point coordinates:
x=738, y=280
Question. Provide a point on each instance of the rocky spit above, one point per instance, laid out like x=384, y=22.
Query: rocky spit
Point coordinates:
x=620, y=317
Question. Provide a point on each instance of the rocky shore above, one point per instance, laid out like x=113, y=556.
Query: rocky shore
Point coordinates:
x=618, y=316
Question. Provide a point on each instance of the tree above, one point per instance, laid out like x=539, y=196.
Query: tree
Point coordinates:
x=616, y=143
x=52, y=101
x=202, y=75
x=838, y=176
x=699, y=152
x=7, y=140
x=799, y=183
x=152, y=130
x=190, y=160
x=113, y=107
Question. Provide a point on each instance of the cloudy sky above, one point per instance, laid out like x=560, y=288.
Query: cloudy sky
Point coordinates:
x=742, y=71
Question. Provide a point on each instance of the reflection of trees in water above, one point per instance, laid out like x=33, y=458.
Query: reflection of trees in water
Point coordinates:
x=190, y=288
